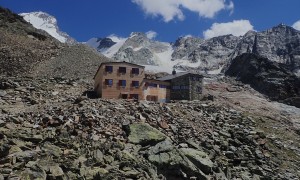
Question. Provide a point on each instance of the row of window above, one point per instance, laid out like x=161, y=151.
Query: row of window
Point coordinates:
x=198, y=88
x=109, y=82
x=154, y=85
x=180, y=87
x=122, y=70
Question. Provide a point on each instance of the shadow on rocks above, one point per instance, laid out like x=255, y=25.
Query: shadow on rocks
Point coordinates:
x=90, y=94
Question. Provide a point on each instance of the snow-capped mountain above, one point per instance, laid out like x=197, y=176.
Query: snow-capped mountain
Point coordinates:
x=185, y=53
x=108, y=46
x=280, y=44
x=48, y=23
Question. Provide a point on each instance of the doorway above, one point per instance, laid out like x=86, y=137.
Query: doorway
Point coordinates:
x=124, y=96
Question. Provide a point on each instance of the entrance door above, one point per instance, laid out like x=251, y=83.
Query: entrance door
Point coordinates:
x=124, y=96
x=152, y=98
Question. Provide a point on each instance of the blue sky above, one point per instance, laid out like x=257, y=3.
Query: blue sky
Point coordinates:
x=168, y=18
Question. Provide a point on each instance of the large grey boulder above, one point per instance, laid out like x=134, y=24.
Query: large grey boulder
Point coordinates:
x=172, y=162
x=144, y=134
x=199, y=158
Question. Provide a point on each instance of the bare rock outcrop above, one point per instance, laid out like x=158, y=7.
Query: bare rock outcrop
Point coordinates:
x=270, y=78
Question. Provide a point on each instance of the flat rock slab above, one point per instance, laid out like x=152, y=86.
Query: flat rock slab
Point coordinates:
x=199, y=158
x=144, y=134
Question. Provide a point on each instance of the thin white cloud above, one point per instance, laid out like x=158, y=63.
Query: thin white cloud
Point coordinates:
x=172, y=9
x=296, y=25
x=151, y=34
x=236, y=28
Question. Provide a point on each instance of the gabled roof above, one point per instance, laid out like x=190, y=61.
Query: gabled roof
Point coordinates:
x=172, y=76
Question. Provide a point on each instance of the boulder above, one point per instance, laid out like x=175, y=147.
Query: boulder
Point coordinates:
x=34, y=172
x=97, y=155
x=172, y=161
x=92, y=173
x=144, y=134
x=52, y=149
x=199, y=158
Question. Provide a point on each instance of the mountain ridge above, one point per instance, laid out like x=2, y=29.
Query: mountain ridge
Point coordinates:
x=280, y=43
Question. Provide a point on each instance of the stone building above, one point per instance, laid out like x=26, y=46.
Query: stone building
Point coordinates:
x=184, y=85
x=123, y=80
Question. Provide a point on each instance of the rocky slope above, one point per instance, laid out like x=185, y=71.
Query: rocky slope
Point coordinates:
x=48, y=130
x=279, y=44
x=48, y=23
x=76, y=61
x=25, y=50
x=268, y=77
x=22, y=46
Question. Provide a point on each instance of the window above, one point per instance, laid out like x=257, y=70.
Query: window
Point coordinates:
x=109, y=69
x=122, y=69
x=184, y=87
x=176, y=87
x=135, y=83
x=199, y=89
x=162, y=86
x=152, y=85
x=122, y=83
x=108, y=82
x=135, y=71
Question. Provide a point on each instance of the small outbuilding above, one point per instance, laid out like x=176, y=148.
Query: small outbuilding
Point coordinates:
x=184, y=85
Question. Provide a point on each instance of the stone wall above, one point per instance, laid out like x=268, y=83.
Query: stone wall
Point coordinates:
x=187, y=87
x=177, y=92
x=196, y=87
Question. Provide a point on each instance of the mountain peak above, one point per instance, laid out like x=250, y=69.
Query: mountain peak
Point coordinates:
x=283, y=27
x=44, y=21
x=133, y=34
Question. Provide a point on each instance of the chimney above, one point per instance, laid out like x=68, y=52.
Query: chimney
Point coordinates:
x=173, y=72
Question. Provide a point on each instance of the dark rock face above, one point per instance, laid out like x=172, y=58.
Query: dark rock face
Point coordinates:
x=280, y=44
x=270, y=78
x=7, y=16
x=105, y=43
